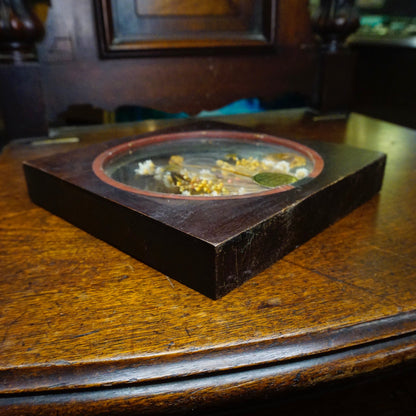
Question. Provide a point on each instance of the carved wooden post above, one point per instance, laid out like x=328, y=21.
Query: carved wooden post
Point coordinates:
x=20, y=29
x=21, y=93
x=333, y=22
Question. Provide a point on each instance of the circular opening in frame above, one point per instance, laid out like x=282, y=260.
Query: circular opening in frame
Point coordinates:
x=207, y=165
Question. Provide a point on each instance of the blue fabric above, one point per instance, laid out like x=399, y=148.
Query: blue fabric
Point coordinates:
x=243, y=106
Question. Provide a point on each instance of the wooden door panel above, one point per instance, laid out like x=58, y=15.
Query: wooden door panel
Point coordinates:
x=131, y=28
x=187, y=7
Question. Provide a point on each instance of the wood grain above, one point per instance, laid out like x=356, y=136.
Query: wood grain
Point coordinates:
x=186, y=8
x=85, y=328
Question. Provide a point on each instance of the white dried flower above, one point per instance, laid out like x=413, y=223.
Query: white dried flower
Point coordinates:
x=167, y=179
x=301, y=173
x=159, y=171
x=282, y=166
x=205, y=174
x=145, y=168
x=268, y=163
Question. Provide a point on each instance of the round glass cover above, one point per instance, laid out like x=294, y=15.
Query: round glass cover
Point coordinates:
x=208, y=164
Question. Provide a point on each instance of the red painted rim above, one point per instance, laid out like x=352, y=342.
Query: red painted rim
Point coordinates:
x=101, y=160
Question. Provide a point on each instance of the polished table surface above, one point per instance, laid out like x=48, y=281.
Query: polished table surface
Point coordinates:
x=85, y=328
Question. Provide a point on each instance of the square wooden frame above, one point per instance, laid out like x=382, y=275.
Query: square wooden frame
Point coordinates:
x=210, y=245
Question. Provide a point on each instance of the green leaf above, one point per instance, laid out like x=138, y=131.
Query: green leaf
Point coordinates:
x=273, y=179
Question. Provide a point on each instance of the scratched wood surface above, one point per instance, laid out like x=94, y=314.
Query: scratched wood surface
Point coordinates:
x=100, y=330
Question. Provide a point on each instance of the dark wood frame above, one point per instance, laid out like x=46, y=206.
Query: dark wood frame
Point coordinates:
x=108, y=48
x=210, y=245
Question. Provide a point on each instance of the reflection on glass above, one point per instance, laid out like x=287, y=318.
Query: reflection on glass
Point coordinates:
x=208, y=166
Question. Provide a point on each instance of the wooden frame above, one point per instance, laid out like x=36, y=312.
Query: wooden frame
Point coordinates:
x=211, y=245
x=127, y=29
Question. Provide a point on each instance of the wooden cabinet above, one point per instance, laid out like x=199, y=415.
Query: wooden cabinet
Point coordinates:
x=173, y=56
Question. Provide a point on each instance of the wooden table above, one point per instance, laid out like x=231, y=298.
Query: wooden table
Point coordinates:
x=86, y=329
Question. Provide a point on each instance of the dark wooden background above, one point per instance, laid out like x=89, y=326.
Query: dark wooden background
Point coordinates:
x=84, y=62
x=199, y=76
